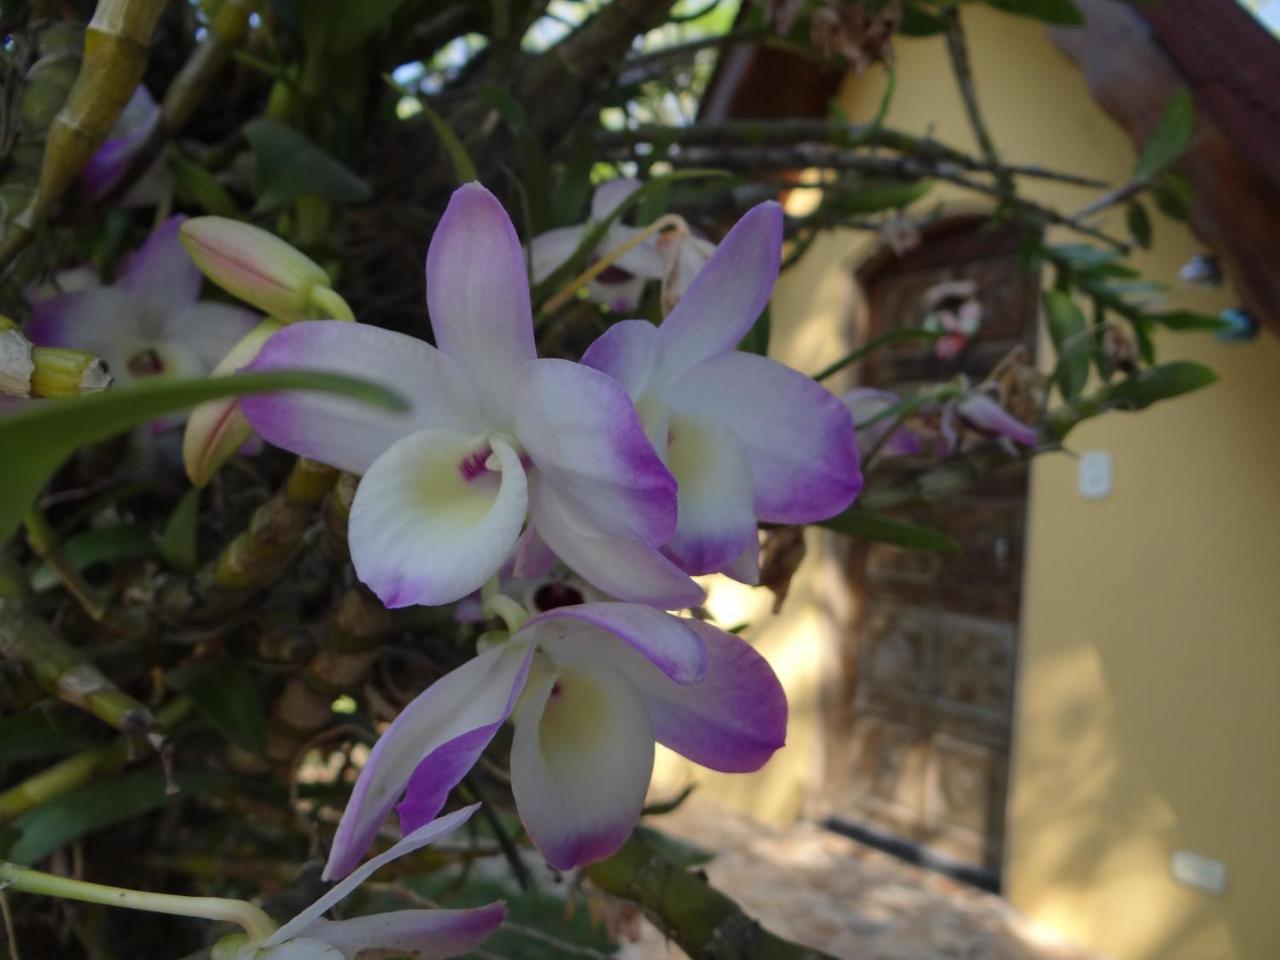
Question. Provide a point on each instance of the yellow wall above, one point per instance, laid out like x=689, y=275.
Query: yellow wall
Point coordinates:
x=1149, y=711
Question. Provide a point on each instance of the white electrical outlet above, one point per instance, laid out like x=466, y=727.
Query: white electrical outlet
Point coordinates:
x=1095, y=474
x=1197, y=870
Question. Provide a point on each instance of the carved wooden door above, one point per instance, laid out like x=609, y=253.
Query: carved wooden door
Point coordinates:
x=921, y=745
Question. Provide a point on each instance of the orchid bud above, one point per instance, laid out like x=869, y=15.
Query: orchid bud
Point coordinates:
x=254, y=265
x=61, y=372
x=216, y=429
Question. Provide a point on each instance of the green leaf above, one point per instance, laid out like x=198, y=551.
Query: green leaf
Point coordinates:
x=1048, y=11
x=872, y=345
x=1173, y=194
x=178, y=544
x=40, y=733
x=1139, y=223
x=355, y=23
x=1160, y=383
x=1142, y=333
x=918, y=21
x=757, y=338
x=35, y=440
x=226, y=695
x=1067, y=328
x=669, y=806
x=872, y=196
x=288, y=165
x=1170, y=138
x=103, y=545
x=464, y=171
x=96, y=807
x=195, y=186
x=878, y=528
x=1189, y=320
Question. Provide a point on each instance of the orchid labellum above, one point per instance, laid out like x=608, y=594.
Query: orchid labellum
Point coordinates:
x=592, y=688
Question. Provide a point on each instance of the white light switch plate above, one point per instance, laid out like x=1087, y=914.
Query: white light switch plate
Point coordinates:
x=1197, y=870
x=1095, y=474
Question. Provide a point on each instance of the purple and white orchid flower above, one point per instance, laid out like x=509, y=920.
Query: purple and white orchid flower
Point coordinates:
x=151, y=322
x=494, y=435
x=111, y=160
x=422, y=934
x=592, y=687
x=620, y=285
x=978, y=412
x=869, y=408
x=746, y=437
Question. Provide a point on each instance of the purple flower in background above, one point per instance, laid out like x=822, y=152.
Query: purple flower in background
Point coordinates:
x=592, y=688
x=869, y=409
x=746, y=437
x=423, y=934
x=978, y=412
x=621, y=284
x=150, y=322
x=495, y=435
x=110, y=161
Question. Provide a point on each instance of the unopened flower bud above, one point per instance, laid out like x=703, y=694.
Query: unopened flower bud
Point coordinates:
x=61, y=372
x=256, y=266
x=16, y=365
x=216, y=429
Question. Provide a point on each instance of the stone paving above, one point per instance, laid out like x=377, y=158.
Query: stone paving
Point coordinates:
x=829, y=892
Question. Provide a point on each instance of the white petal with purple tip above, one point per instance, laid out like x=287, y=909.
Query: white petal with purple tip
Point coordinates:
x=347, y=434
x=436, y=516
x=162, y=273
x=581, y=759
x=797, y=435
x=420, y=934
x=478, y=295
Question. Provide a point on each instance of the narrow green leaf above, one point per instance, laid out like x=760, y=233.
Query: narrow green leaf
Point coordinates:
x=1170, y=138
x=872, y=196
x=1074, y=347
x=288, y=165
x=464, y=171
x=1160, y=383
x=1141, y=326
x=40, y=733
x=96, y=807
x=92, y=547
x=197, y=187
x=178, y=544
x=872, y=345
x=918, y=21
x=1189, y=320
x=226, y=695
x=1062, y=12
x=1173, y=194
x=878, y=528
x=1139, y=223
x=35, y=440
x=357, y=22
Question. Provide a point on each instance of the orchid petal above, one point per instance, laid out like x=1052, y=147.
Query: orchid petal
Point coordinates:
x=548, y=251
x=210, y=330
x=629, y=351
x=621, y=296
x=644, y=260
x=162, y=274
x=109, y=162
x=420, y=934
x=987, y=415
x=665, y=641
x=717, y=513
x=797, y=435
x=428, y=833
x=867, y=406
x=478, y=295
x=581, y=759
x=344, y=433
x=104, y=321
x=728, y=294
x=424, y=528
x=609, y=195
x=477, y=696
x=619, y=567
x=533, y=557
x=582, y=432
x=745, y=567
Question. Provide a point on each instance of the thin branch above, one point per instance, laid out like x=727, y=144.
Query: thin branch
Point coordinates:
x=958, y=50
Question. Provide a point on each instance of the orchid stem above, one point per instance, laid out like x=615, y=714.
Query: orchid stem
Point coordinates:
x=512, y=613
x=670, y=220
x=249, y=918
x=330, y=303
